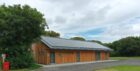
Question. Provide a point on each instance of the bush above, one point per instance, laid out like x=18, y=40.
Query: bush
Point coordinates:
x=21, y=61
x=19, y=57
x=0, y=64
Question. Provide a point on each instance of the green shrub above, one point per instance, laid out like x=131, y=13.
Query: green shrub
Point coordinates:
x=0, y=64
x=20, y=26
x=19, y=58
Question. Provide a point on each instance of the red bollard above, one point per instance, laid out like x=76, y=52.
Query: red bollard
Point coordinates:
x=5, y=66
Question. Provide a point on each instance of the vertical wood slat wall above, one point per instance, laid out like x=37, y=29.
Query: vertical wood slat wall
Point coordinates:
x=41, y=55
x=87, y=56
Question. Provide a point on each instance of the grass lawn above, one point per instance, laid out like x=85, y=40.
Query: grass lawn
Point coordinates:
x=123, y=58
x=22, y=70
x=33, y=67
x=121, y=68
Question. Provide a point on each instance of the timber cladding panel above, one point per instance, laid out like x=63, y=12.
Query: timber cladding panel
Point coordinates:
x=107, y=55
x=65, y=56
x=102, y=55
x=69, y=56
x=42, y=54
x=87, y=56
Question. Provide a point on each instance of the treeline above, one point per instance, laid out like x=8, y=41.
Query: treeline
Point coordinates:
x=129, y=46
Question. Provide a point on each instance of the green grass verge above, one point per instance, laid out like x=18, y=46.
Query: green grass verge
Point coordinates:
x=122, y=68
x=123, y=58
x=33, y=67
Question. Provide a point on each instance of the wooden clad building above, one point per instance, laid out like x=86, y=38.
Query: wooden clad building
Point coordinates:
x=56, y=51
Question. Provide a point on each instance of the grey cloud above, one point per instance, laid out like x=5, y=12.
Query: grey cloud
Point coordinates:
x=60, y=19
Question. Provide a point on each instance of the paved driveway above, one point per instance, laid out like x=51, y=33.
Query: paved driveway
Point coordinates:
x=91, y=66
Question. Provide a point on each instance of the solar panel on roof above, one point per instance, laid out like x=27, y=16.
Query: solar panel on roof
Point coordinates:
x=59, y=43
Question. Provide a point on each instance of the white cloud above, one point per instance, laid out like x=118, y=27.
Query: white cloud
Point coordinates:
x=136, y=27
x=72, y=17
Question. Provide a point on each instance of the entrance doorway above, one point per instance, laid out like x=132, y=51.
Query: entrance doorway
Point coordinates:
x=52, y=57
x=106, y=55
x=78, y=56
x=97, y=55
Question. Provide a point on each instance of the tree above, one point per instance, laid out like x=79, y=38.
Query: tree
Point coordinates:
x=51, y=34
x=96, y=41
x=78, y=38
x=128, y=46
x=19, y=27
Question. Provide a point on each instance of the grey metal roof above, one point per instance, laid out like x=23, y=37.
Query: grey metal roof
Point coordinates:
x=59, y=43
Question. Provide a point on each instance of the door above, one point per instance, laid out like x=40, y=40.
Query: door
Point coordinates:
x=97, y=55
x=78, y=56
x=106, y=55
x=52, y=57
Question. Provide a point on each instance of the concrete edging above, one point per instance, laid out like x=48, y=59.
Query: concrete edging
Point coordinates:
x=77, y=63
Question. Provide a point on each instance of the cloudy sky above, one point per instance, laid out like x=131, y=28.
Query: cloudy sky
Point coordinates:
x=103, y=20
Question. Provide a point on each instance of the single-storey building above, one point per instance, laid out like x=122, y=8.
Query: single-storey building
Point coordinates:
x=57, y=50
